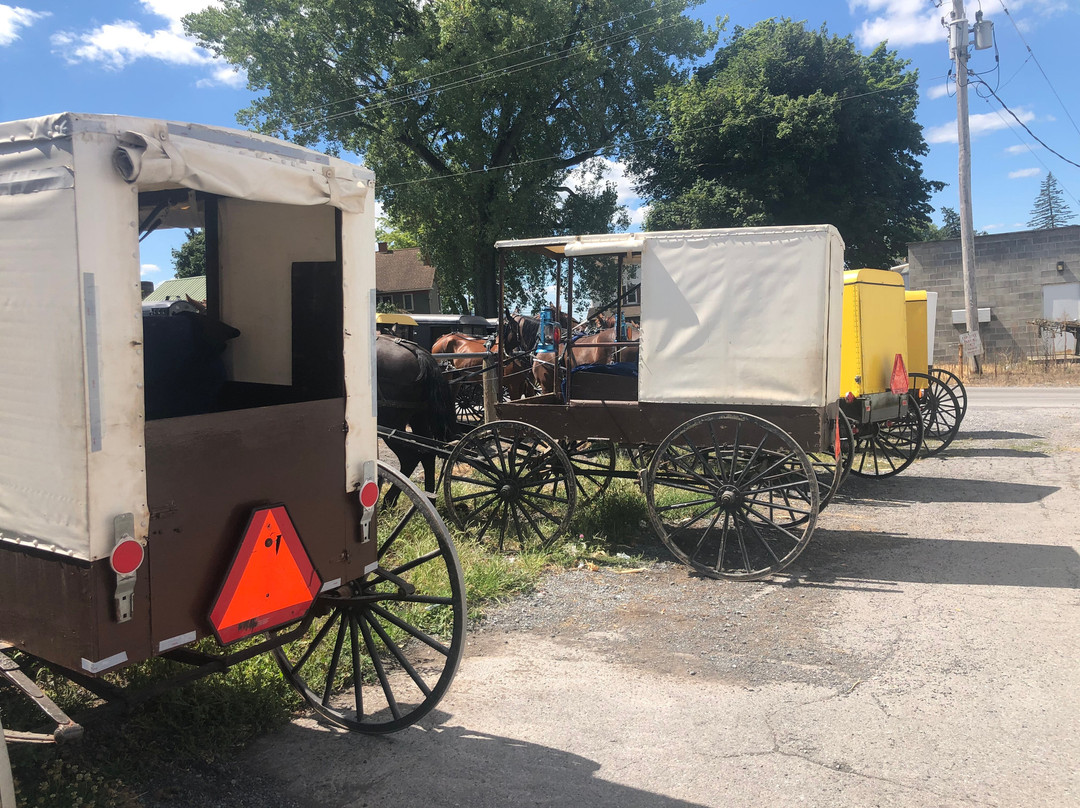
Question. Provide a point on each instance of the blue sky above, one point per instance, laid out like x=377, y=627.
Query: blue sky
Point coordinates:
x=130, y=57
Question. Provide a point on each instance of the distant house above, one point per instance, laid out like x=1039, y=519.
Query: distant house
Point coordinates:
x=404, y=280
x=178, y=289
x=1019, y=278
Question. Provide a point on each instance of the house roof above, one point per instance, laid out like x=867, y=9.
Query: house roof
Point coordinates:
x=402, y=271
x=177, y=289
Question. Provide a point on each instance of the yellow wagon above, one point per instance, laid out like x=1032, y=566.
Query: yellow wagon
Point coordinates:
x=886, y=427
x=936, y=393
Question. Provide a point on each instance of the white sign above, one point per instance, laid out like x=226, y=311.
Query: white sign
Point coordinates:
x=972, y=343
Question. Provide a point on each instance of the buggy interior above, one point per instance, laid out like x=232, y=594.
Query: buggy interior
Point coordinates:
x=269, y=330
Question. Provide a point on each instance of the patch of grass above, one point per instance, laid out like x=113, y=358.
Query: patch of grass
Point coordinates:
x=1007, y=371
x=211, y=719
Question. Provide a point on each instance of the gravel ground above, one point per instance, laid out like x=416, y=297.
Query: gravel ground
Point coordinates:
x=921, y=651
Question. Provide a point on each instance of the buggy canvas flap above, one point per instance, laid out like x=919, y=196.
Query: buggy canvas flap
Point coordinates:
x=201, y=159
x=748, y=316
x=43, y=434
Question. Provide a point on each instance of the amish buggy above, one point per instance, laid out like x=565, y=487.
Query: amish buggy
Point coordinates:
x=728, y=403
x=204, y=486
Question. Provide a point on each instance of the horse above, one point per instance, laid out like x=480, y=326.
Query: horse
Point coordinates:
x=515, y=368
x=412, y=392
x=591, y=349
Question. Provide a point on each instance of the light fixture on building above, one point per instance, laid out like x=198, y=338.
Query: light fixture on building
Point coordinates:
x=1060, y=266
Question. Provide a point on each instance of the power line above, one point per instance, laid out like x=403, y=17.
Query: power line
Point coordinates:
x=1032, y=54
x=1027, y=145
x=606, y=150
x=1027, y=129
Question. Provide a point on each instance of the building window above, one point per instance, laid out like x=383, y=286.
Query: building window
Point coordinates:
x=384, y=299
x=633, y=298
x=407, y=302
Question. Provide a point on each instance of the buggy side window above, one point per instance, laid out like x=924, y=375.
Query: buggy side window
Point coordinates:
x=264, y=325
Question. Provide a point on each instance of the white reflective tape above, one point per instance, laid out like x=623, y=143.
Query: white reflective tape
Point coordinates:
x=104, y=664
x=334, y=584
x=176, y=642
x=374, y=565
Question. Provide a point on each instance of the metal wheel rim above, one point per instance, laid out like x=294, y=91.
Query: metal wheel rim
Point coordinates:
x=410, y=666
x=889, y=446
x=755, y=495
x=511, y=485
x=952, y=381
x=940, y=411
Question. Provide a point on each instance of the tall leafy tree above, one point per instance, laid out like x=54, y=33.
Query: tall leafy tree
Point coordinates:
x=793, y=126
x=471, y=113
x=1050, y=209
x=189, y=260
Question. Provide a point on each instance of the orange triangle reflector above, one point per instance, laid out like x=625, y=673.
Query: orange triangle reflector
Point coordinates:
x=899, y=376
x=270, y=582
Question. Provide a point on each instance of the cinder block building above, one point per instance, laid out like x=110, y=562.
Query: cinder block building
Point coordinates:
x=1019, y=277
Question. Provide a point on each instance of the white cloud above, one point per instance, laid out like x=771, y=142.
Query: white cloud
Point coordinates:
x=939, y=90
x=226, y=76
x=1021, y=148
x=990, y=228
x=637, y=217
x=1024, y=172
x=151, y=269
x=901, y=22
x=120, y=43
x=979, y=124
x=15, y=18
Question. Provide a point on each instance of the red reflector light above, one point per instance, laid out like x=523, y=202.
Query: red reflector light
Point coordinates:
x=369, y=494
x=127, y=556
x=850, y=397
x=557, y=336
x=899, y=376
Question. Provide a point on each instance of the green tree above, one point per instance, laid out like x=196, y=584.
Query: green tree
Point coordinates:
x=1050, y=209
x=189, y=261
x=792, y=126
x=472, y=114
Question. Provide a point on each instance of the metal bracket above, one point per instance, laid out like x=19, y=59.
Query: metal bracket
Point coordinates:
x=366, y=516
x=123, y=530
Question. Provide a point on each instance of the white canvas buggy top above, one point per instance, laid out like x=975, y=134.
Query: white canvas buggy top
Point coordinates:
x=746, y=316
x=71, y=407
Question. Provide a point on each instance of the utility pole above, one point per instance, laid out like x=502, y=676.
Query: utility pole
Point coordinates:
x=958, y=51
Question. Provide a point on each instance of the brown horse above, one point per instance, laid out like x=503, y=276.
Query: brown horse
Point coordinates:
x=591, y=349
x=515, y=369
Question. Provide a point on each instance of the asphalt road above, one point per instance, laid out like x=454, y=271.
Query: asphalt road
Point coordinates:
x=923, y=651
x=1023, y=397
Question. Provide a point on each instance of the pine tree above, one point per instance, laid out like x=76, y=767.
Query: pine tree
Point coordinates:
x=1050, y=209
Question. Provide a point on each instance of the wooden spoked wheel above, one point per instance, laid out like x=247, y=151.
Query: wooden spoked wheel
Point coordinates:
x=952, y=381
x=831, y=470
x=382, y=650
x=593, y=462
x=511, y=485
x=885, y=448
x=732, y=495
x=940, y=411
x=469, y=401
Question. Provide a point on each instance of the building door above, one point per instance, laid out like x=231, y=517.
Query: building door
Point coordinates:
x=1061, y=301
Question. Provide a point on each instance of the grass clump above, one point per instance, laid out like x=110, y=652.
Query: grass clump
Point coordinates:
x=209, y=720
